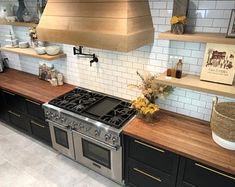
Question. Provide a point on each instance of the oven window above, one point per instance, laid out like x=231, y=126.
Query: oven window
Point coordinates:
x=61, y=137
x=96, y=153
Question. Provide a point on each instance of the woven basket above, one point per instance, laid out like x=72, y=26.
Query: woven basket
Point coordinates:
x=223, y=120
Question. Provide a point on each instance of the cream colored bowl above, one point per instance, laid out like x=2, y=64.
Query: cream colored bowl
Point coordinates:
x=40, y=50
x=53, y=50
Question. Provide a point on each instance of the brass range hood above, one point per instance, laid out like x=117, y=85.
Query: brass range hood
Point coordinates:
x=118, y=25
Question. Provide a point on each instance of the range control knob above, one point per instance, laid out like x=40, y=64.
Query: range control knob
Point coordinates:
x=62, y=119
x=97, y=132
x=107, y=137
x=114, y=139
x=47, y=113
x=52, y=115
x=81, y=126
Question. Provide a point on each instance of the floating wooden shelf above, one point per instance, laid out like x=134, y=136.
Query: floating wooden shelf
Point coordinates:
x=31, y=52
x=22, y=24
x=198, y=37
x=193, y=82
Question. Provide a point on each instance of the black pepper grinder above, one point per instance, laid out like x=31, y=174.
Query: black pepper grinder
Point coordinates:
x=179, y=67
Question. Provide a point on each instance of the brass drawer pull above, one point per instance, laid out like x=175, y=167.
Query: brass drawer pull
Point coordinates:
x=146, y=174
x=149, y=146
x=13, y=113
x=33, y=122
x=8, y=93
x=214, y=171
x=33, y=102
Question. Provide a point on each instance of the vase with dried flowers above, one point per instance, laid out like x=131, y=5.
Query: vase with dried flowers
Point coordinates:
x=151, y=90
x=33, y=37
x=178, y=24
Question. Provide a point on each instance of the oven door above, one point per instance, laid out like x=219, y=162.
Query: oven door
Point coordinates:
x=62, y=139
x=98, y=156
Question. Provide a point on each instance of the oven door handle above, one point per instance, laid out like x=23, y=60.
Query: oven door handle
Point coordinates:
x=96, y=141
x=67, y=128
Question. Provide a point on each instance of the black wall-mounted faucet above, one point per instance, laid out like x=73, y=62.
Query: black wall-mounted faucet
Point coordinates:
x=80, y=53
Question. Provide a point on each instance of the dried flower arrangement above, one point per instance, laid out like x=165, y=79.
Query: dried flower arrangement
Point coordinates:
x=33, y=36
x=178, y=23
x=151, y=90
x=178, y=20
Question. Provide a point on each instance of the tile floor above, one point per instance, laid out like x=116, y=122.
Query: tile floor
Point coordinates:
x=26, y=162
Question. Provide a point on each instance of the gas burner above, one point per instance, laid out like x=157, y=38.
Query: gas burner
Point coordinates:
x=119, y=115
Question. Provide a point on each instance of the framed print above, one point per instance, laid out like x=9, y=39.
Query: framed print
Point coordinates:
x=231, y=26
x=219, y=63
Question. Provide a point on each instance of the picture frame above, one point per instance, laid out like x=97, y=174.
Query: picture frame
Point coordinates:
x=231, y=26
x=219, y=64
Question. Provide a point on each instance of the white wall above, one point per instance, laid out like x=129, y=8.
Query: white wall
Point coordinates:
x=116, y=70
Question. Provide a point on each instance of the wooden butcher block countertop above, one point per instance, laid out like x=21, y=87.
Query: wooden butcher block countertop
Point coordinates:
x=185, y=137
x=30, y=86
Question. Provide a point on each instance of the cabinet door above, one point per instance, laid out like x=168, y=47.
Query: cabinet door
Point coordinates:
x=34, y=109
x=40, y=130
x=3, y=109
x=199, y=175
x=19, y=121
x=14, y=102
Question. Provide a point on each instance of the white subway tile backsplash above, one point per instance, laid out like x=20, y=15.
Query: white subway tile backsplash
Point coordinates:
x=185, y=100
x=214, y=14
x=159, y=5
x=196, y=114
x=192, y=46
x=207, y=5
x=190, y=107
x=225, y=4
x=198, y=103
x=220, y=23
x=116, y=70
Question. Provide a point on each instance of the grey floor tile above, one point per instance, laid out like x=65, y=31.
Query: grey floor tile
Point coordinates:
x=26, y=162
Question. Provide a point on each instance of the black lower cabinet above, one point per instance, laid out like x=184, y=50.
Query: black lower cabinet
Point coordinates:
x=25, y=115
x=195, y=174
x=19, y=121
x=139, y=174
x=3, y=109
x=40, y=130
x=150, y=166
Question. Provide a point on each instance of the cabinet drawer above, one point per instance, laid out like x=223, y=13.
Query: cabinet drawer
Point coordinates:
x=140, y=175
x=201, y=175
x=155, y=157
x=14, y=101
x=34, y=109
x=40, y=130
x=18, y=120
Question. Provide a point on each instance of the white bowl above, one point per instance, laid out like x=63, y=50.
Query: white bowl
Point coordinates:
x=53, y=50
x=40, y=50
x=23, y=44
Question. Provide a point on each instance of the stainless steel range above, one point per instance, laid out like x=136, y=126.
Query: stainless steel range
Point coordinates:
x=86, y=126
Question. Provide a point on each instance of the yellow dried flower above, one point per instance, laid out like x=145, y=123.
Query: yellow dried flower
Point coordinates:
x=178, y=19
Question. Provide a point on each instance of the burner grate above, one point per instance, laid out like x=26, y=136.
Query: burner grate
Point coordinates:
x=119, y=115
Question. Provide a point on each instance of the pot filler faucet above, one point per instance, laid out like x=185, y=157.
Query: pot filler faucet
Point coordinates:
x=80, y=53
